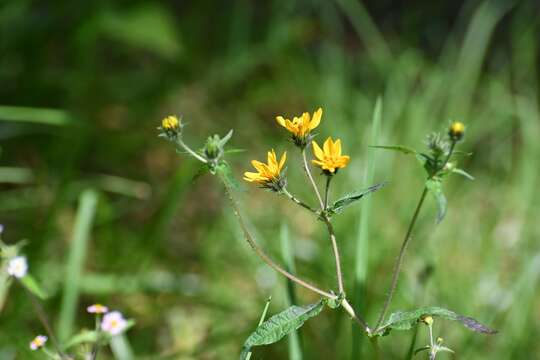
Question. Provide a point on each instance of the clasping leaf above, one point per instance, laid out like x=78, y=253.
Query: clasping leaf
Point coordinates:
x=349, y=199
x=279, y=325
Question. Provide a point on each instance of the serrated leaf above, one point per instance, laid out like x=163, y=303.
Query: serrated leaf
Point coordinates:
x=30, y=283
x=435, y=188
x=401, y=148
x=225, y=172
x=349, y=199
x=279, y=325
x=463, y=173
x=405, y=320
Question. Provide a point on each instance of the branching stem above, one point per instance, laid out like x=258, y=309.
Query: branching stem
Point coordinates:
x=260, y=252
x=298, y=202
x=190, y=151
x=308, y=172
x=399, y=261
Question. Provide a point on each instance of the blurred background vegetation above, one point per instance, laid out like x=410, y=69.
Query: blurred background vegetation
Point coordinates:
x=113, y=215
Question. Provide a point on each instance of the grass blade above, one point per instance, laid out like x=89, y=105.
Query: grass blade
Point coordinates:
x=362, y=244
x=295, y=349
x=35, y=115
x=75, y=262
x=121, y=348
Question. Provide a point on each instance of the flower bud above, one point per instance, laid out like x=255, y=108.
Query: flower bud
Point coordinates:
x=171, y=127
x=456, y=131
x=428, y=320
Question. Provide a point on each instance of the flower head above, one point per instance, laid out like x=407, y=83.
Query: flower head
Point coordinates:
x=38, y=342
x=113, y=323
x=171, y=127
x=97, y=309
x=268, y=175
x=456, y=131
x=301, y=127
x=171, y=122
x=329, y=158
x=17, y=267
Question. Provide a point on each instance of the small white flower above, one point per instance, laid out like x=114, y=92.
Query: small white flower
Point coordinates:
x=113, y=323
x=97, y=309
x=38, y=342
x=17, y=267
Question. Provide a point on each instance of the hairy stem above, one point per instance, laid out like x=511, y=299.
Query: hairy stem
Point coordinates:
x=336, y=253
x=95, y=347
x=190, y=151
x=298, y=202
x=399, y=261
x=308, y=172
x=260, y=252
x=327, y=190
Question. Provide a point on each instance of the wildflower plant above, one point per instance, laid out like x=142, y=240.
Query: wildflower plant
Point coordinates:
x=15, y=266
x=438, y=161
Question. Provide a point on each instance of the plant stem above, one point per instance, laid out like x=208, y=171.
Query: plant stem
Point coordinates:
x=190, y=151
x=399, y=261
x=327, y=190
x=298, y=202
x=336, y=253
x=45, y=322
x=349, y=309
x=95, y=347
x=375, y=343
x=308, y=172
x=260, y=252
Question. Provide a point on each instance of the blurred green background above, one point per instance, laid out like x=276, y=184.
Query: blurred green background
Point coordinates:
x=85, y=84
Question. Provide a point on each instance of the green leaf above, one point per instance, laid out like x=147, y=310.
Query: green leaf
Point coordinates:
x=405, y=320
x=463, y=173
x=32, y=285
x=435, y=188
x=403, y=149
x=91, y=336
x=349, y=199
x=424, y=348
x=85, y=336
x=225, y=172
x=279, y=325
x=225, y=139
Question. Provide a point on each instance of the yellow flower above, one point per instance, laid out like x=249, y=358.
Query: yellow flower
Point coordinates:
x=456, y=130
x=329, y=158
x=301, y=127
x=269, y=174
x=170, y=123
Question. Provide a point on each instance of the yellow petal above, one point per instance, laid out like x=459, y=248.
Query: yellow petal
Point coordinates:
x=317, y=151
x=281, y=121
x=258, y=165
x=272, y=161
x=250, y=176
x=291, y=126
x=282, y=161
x=315, y=121
x=328, y=147
x=337, y=147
